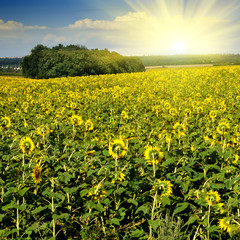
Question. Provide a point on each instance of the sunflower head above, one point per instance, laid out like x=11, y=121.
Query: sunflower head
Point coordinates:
x=124, y=115
x=27, y=145
x=76, y=120
x=163, y=188
x=187, y=112
x=153, y=155
x=5, y=122
x=43, y=130
x=173, y=111
x=212, y=197
x=37, y=174
x=117, y=148
x=89, y=125
x=213, y=114
x=180, y=129
x=222, y=128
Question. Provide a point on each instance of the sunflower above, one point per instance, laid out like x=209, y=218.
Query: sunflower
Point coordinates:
x=73, y=105
x=5, y=122
x=173, y=111
x=27, y=145
x=153, y=155
x=179, y=129
x=164, y=135
x=199, y=110
x=213, y=114
x=212, y=197
x=89, y=125
x=222, y=128
x=124, y=115
x=117, y=148
x=43, y=130
x=164, y=188
x=37, y=174
x=167, y=105
x=187, y=112
x=76, y=120
x=97, y=192
x=224, y=224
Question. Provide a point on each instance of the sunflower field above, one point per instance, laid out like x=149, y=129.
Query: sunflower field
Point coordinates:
x=151, y=155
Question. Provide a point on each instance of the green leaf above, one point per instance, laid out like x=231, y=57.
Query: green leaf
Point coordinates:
x=165, y=201
x=99, y=207
x=130, y=200
x=84, y=192
x=143, y=208
x=154, y=223
x=33, y=227
x=71, y=190
x=191, y=220
x=180, y=207
x=23, y=191
x=105, y=153
x=106, y=202
x=63, y=215
x=39, y=209
x=1, y=217
x=115, y=221
x=120, y=190
x=9, y=206
x=137, y=233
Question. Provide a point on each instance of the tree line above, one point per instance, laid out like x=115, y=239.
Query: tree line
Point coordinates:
x=75, y=60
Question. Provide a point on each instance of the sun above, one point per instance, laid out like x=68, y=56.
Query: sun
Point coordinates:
x=178, y=47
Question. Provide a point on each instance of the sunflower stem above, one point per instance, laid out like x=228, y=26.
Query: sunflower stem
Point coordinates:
x=18, y=222
x=53, y=221
x=152, y=215
x=209, y=212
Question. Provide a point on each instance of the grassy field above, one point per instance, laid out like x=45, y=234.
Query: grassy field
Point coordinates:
x=151, y=155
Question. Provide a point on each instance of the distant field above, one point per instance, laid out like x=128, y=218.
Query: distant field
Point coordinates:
x=214, y=59
x=149, y=68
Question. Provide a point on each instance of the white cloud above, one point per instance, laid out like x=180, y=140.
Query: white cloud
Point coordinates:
x=12, y=25
x=118, y=23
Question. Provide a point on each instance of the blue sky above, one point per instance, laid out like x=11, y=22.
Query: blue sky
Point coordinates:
x=130, y=27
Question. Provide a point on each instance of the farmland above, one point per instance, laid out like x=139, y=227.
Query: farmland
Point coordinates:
x=121, y=156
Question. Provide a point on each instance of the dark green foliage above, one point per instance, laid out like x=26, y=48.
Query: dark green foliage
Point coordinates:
x=73, y=60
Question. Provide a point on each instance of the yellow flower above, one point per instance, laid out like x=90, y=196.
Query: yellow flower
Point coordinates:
x=73, y=105
x=89, y=125
x=5, y=122
x=37, y=174
x=213, y=114
x=124, y=115
x=117, y=148
x=76, y=120
x=222, y=128
x=164, y=188
x=224, y=224
x=43, y=130
x=97, y=192
x=173, y=111
x=199, y=110
x=236, y=158
x=27, y=145
x=167, y=105
x=153, y=155
x=187, y=112
x=179, y=129
x=212, y=197
x=121, y=176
